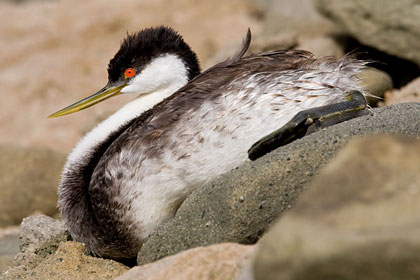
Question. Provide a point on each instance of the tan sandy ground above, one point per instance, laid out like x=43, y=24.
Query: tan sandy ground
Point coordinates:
x=54, y=53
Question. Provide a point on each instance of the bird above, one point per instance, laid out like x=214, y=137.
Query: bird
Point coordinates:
x=183, y=128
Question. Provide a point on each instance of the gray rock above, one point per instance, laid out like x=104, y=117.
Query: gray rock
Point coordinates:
x=46, y=253
x=28, y=182
x=358, y=220
x=238, y=206
x=296, y=16
x=387, y=25
x=38, y=228
x=9, y=246
x=26, y=261
x=40, y=236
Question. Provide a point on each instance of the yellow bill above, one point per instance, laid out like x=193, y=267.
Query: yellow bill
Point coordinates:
x=103, y=94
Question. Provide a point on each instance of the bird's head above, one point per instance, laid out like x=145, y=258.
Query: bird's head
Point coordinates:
x=150, y=61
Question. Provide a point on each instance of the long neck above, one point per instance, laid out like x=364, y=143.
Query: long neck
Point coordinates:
x=74, y=198
x=124, y=115
x=162, y=77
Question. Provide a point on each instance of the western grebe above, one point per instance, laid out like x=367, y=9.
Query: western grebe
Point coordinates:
x=184, y=128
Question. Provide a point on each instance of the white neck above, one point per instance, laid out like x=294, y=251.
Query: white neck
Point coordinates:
x=161, y=78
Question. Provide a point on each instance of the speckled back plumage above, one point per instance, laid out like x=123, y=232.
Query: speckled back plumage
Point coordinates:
x=138, y=177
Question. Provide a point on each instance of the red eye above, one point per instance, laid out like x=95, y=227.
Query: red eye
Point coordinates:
x=129, y=72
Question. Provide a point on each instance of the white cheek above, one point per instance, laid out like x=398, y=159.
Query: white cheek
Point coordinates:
x=161, y=78
x=133, y=88
x=166, y=71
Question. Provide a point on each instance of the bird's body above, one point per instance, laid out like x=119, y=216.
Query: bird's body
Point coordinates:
x=131, y=173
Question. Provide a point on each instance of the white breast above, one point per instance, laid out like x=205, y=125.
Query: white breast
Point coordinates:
x=215, y=138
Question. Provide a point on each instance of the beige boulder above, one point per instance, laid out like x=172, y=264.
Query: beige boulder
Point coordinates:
x=225, y=261
x=29, y=180
x=409, y=93
x=358, y=220
x=69, y=262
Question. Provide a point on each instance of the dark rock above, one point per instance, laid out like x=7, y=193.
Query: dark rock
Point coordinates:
x=358, y=219
x=238, y=206
x=28, y=182
x=390, y=26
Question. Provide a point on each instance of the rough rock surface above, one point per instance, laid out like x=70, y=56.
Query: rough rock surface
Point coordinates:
x=358, y=220
x=238, y=206
x=38, y=228
x=69, y=262
x=28, y=182
x=387, y=25
x=46, y=254
x=40, y=236
x=409, y=93
x=226, y=261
